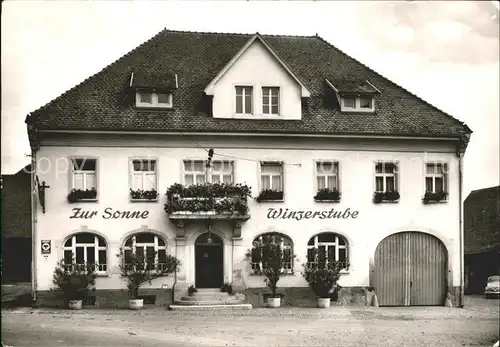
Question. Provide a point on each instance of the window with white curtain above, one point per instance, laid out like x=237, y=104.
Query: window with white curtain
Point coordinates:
x=148, y=248
x=259, y=256
x=327, y=175
x=86, y=248
x=84, y=173
x=144, y=172
x=197, y=172
x=436, y=178
x=386, y=177
x=271, y=175
x=332, y=246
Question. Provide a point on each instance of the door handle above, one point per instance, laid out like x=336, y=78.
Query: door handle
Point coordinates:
x=411, y=283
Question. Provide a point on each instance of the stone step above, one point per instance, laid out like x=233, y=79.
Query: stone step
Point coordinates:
x=210, y=307
x=208, y=290
x=210, y=302
x=207, y=297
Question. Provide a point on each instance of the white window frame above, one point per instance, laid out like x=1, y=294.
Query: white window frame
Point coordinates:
x=326, y=244
x=287, y=269
x=74, y=171
x=357, y=103
x=385, y=175
x=208, y=171
x=270, y=95
x=143, y=174
x=434, y=175
x=100, y=268
x=282, y=175
x=245, y=88
x=325, y=176
x=154, y=100
x=144, y=246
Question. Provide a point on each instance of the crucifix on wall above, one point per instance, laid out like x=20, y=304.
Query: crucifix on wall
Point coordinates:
x=41, y=193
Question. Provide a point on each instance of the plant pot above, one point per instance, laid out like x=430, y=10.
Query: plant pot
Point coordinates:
x=135, y=304
x=323, y=302
x=273, y=302
x=75, y=304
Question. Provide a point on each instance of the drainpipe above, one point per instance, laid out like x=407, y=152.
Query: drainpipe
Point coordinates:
x=34, y=205
x=461, y=229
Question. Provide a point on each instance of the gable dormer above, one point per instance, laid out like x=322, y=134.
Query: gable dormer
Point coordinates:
x=257, y=84
x=153, y=90
x=354, y=95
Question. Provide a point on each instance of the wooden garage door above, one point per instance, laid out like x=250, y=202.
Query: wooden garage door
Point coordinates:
x=410, y=270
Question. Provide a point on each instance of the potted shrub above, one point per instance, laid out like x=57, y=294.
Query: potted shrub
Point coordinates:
x=227, y=288
x=327, y=194
x=273, y=260
x=74, y=281
x=137, y=271
x=192, y=290
x=322, y=277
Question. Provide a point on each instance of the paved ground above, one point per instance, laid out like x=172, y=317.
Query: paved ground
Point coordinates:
x=475, y=325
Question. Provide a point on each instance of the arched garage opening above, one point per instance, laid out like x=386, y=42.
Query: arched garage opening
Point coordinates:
x=411, y=270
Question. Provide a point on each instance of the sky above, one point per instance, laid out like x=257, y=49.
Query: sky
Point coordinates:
x=445, y=52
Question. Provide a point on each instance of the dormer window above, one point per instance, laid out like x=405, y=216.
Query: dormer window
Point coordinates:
x=359, y=104
x=154, y=99
x=353, y=94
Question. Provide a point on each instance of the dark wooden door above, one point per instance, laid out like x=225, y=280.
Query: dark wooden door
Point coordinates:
x=209, y=266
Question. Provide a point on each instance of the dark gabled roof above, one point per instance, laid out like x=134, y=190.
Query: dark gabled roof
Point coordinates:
x=105, y=100
x=482, y=220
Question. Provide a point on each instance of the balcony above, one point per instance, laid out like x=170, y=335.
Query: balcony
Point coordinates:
x=208, y=201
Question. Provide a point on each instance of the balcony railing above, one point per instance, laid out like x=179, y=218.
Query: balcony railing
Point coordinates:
x=258, y=267
x=314, y=265
x=99, y=268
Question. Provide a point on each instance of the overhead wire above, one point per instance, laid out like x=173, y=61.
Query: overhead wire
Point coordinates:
x=227, y=155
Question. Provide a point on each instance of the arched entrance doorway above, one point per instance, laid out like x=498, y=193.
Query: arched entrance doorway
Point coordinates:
x=410, y=270
x=209, y=261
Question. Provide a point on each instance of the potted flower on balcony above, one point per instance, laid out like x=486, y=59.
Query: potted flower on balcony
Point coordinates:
x=327, y=195
x=322, y=277
x=137, y=271
x=270, y=195
x=74, y=281
x=390, y=195
x=430, y=197
x=80, y=194
x=273, y=261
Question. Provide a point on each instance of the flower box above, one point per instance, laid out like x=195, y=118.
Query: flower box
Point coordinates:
x=140, y=194
x=430, y=197
x=208, y=199
x=389, y=196
x=82, y=195
x=327, y=195
x=270, y=195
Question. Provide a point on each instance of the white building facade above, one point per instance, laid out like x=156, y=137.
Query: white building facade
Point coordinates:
x=272, y=125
